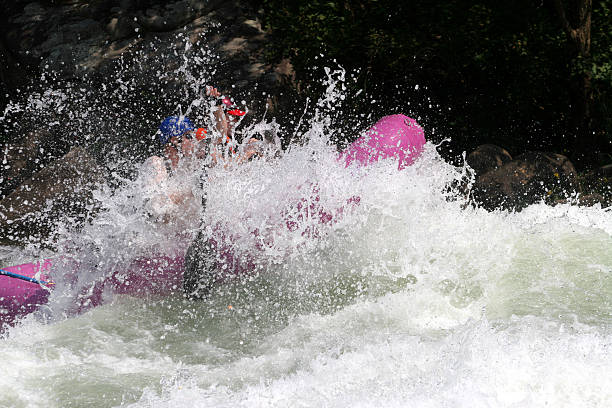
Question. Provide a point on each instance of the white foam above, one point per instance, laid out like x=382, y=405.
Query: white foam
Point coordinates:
x=410, y=298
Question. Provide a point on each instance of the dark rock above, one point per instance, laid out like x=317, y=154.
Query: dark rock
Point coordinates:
x=605, y=171
x=563, y=170
x=487, y=157
x=81, y=41
x=68, y=37
x=126, y=4
x=595, y=185
x=121, y=27
x=589, y=200
x=63, y=188
x=530, y=178
x=170, y=16
x=179, y=13
x=30, y=154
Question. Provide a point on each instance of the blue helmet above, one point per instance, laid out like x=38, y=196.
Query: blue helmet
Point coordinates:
x=174, y=126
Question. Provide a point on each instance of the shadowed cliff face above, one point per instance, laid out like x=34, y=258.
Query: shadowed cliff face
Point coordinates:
x=89, y=41
x=77, y=38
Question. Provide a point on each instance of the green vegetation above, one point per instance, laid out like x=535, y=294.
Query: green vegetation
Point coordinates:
x=527, y=75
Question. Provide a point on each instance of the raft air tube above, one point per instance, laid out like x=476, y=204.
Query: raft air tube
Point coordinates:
x=396, y=137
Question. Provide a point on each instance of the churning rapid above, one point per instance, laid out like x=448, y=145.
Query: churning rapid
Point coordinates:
x=411, y=297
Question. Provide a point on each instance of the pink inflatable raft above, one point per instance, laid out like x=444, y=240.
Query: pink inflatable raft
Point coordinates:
x=24, y=288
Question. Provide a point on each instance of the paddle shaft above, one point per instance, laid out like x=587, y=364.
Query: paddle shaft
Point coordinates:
x=24, y=278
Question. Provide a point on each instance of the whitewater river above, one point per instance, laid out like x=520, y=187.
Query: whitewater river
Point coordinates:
x=411, y=299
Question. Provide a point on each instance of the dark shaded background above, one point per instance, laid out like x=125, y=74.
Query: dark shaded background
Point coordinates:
x=525, y=74
x=510, y=73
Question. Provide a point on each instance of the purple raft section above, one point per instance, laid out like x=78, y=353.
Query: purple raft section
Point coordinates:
x=393, y=136
x=18, y=297
x=160, y=275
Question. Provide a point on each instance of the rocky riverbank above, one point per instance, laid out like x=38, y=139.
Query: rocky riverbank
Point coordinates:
x=504, y=182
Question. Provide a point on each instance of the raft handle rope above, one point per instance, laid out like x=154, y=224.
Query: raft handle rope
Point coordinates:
x=25, y=278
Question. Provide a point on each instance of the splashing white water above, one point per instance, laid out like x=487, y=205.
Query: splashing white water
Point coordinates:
x=409, y=298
